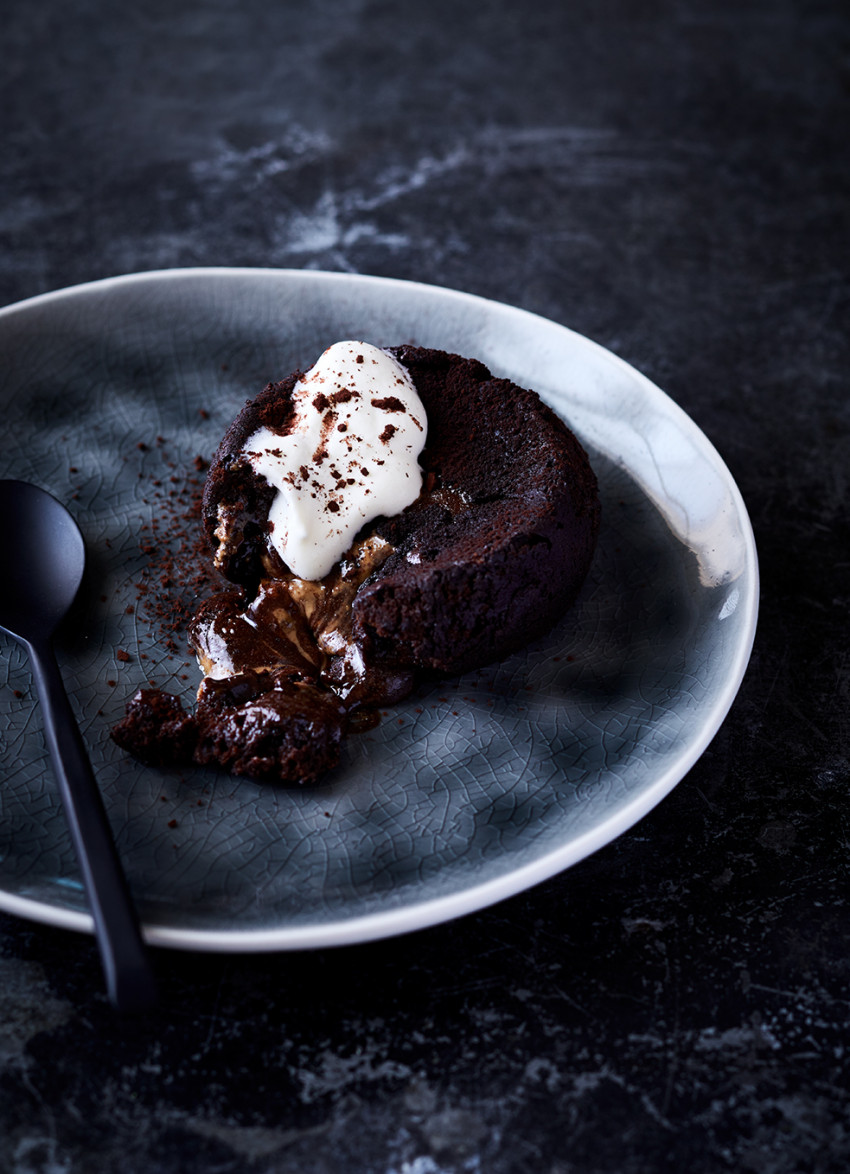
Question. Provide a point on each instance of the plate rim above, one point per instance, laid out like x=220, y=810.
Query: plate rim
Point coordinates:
x=433, y=911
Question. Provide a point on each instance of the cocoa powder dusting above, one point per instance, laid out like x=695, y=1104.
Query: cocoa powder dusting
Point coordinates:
x=178, y=572
x=389, y=403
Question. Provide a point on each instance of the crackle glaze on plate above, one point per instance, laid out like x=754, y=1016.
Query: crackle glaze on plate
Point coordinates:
x=470, y=791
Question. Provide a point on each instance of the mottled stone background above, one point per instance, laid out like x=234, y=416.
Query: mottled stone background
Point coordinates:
x=671, y=179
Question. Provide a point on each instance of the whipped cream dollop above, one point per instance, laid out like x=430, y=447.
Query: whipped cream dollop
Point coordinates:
x=348, y=456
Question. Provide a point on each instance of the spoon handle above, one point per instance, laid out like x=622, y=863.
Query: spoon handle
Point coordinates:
x=129, y=978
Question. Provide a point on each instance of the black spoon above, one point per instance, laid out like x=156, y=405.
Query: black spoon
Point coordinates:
x=44, y=560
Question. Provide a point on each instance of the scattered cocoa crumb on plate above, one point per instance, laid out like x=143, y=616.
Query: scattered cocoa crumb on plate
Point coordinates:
x=178, y=570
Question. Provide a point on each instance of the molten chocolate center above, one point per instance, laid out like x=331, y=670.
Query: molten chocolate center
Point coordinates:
x=302, y=630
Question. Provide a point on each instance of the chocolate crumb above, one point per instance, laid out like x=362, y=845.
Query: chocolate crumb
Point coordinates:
x=389, y=403
x=178, y=572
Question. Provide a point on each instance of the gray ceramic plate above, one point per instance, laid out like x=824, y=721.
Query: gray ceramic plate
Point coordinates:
x=469, y=792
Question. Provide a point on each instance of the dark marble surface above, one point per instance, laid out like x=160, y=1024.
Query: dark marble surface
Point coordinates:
x=672, y=180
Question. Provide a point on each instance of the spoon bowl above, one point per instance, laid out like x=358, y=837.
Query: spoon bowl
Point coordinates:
x=45, y=561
